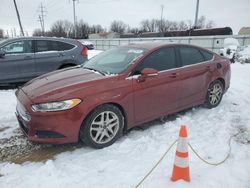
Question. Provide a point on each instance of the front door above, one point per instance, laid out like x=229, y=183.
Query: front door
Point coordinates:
x=157, y=95
x=17, y=65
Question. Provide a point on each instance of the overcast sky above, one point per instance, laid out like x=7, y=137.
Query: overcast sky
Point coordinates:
x=232, y=13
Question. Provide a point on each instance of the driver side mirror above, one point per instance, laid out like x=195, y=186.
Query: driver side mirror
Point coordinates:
x=147, y=73
x=2, y=53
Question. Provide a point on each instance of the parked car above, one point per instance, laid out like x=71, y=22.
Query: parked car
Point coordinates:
x=119, y=89
x=88, y=44
x=22, y=59
x=230, y=50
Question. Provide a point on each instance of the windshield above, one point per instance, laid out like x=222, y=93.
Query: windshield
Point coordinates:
x=113, y=61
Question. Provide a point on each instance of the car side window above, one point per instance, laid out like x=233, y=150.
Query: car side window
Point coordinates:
x=18, y=47
x=65, y=46
x=190, y=56
x=207, y=55
x=53, y=46
x=162, y=59
x=42, y=46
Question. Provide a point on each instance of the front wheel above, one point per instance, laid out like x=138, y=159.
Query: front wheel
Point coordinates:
x=102, y=127
x=214, y=94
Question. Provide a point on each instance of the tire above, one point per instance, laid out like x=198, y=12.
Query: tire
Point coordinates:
x=102, y=127
x=214, y=94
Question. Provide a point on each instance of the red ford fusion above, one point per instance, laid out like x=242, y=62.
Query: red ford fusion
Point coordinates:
x=119, y=89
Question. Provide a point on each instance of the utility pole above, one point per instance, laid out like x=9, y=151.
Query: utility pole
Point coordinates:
x=162, y=7
x=196, y=14
x=41, y=22
x=74, y=12
x=41, y=17
x=18, y=17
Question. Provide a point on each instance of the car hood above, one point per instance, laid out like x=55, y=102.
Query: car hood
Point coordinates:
x=56, y=85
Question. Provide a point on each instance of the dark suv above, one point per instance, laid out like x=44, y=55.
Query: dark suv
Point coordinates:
x=22, y=59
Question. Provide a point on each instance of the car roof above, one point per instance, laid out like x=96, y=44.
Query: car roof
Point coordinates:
x=147, y=45
x=40, y=38
x=158, y=44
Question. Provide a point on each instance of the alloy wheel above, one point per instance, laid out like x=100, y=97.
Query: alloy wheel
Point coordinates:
x=104, y=127
x=215, y=94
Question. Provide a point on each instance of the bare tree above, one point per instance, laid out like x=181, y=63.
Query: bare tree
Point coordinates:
x=166, y=25
x=82, y=30
x=153, y=25
x=38, y=32
x=210, y=24
x=204, y=23
x=149, y=25
x=134, y=30
x=145, y=25
x=156, y=25
x=64, y=28
x=61, y=28
x=118, y=26
x=173, y=26
x=201, y=22
x=96, y=29
x=190, y=24
x=182, y=26
x=1, y=33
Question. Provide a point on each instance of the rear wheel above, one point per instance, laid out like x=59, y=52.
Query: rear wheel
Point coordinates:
x=214, y=94
x=102, y=127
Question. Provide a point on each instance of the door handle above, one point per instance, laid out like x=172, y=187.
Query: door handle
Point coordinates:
x=27, y=57
x=209, y=68
x=60, y=54
x=174, y=75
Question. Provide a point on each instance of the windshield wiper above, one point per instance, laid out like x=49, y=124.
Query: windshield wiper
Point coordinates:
x=102, y=73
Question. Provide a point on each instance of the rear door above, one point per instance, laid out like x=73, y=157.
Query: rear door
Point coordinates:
x=158, y=95
x=18, y=63
x=48, y=56
x=195, y=73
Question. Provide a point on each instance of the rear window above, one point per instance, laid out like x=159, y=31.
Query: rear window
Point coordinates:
x=65, y=46
x=190, y=56
x=208, y=56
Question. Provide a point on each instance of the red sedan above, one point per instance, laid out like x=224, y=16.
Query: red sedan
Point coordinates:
x=119, y=89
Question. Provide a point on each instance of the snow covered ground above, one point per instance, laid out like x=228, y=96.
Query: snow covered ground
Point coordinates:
x=123, y=164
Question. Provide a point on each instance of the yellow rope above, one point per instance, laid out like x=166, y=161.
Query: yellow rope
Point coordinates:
x=215, y=164
x=163, y=156
x=158, y=162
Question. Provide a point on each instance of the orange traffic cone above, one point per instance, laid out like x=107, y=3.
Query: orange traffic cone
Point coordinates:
x=181, y=163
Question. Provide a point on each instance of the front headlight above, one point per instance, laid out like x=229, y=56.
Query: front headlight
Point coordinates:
x=56, y=106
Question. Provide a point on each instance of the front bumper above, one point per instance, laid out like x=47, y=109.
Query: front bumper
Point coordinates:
x=48, y=128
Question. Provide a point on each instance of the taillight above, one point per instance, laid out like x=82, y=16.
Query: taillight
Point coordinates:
x=84, y=52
